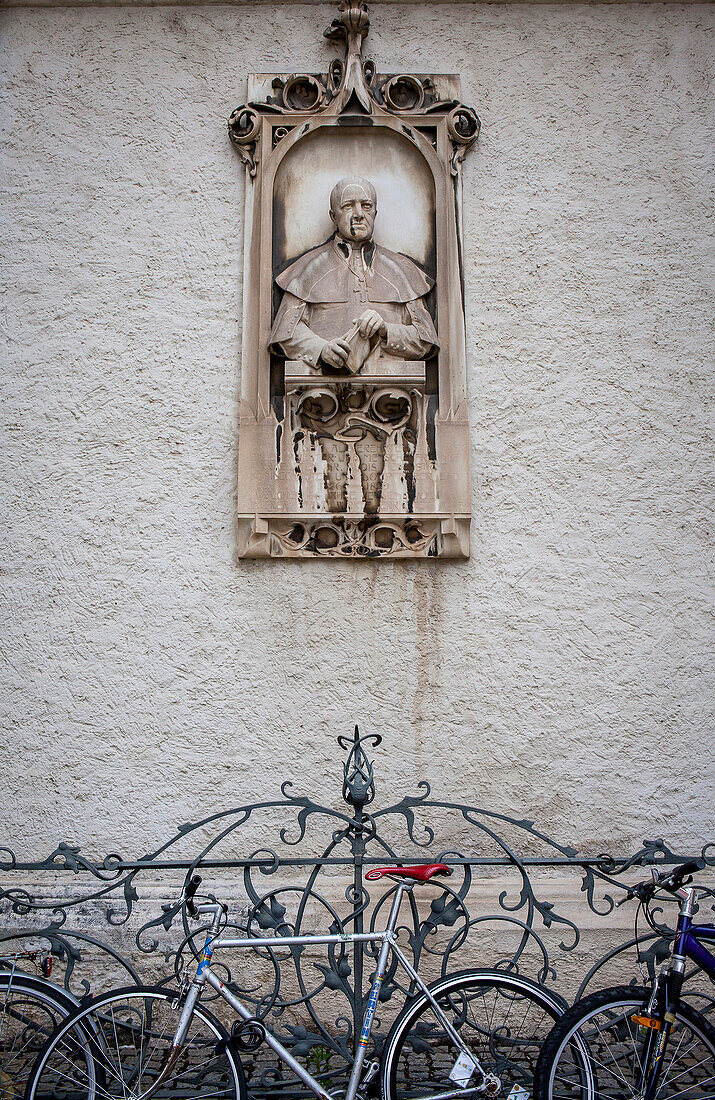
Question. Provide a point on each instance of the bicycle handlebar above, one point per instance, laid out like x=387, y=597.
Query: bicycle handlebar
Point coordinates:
x=189, y=891
x=663, y=880
x=676, y=878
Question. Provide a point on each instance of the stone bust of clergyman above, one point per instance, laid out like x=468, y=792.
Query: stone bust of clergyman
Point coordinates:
x=349, y=295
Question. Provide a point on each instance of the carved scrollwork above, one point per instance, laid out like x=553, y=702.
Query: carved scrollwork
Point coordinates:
x=354, y=412
x=352, y=21
x=244, y=126
x=318, y=406
x=463, y=127
x=350, y=79
x=415, y=536
x=360, y=449
x=300, y=92
x=393, y=407
x=403, y=93
x=336, y=72
x=361, y=539
x=367, y=441
x=279, y=133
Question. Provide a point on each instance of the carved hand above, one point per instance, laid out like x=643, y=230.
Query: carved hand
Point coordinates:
x=335, y=353
x=370, y=324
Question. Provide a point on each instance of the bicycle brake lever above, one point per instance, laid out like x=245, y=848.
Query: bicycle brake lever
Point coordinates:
x=641, y=890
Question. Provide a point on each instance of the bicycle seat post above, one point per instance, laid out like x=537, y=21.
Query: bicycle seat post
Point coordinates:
x=387, y=938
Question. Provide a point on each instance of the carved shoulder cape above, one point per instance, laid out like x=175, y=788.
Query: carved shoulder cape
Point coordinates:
x=322, y=275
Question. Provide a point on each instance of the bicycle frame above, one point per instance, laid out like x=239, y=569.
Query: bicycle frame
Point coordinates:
x=687, y=943
x=388, y=944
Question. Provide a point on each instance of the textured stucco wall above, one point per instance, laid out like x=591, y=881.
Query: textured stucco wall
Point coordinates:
x=562, y=673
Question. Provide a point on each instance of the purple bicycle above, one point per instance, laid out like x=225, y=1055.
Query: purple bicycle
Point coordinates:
x=630, y=1043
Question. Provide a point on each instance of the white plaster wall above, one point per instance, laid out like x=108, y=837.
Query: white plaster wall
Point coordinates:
x=564, y=672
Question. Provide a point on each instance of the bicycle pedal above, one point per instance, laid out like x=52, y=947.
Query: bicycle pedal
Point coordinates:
x=248, y=1035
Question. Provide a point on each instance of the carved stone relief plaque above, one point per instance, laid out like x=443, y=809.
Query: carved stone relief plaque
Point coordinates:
x=354, y=437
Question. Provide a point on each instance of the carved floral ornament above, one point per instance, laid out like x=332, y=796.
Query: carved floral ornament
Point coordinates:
x=354, y=437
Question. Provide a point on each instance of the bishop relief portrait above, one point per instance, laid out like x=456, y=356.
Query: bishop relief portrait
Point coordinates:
x=351, y=298
x=353, y=438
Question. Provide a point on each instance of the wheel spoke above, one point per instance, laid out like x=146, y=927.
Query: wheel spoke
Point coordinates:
x=597, y=1052
x=502, y=1018
x=30, y=1010
x=129, y=1043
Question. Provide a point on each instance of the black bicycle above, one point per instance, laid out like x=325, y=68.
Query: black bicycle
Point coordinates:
x=31, y=1007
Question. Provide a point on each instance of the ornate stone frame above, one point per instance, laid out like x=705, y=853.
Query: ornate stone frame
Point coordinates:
x=282, y=111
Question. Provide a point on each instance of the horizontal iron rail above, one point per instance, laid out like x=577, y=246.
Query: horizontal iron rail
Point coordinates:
x=317, y=861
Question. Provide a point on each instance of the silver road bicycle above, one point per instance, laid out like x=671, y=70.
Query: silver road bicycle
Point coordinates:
x=473, y=1033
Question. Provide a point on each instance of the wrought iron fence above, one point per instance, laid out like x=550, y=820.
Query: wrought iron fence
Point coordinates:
x=316, y=1003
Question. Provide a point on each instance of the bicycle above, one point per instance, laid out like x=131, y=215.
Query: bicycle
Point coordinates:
x=474, y=1033
x=631, y=1043
x=30, y=1009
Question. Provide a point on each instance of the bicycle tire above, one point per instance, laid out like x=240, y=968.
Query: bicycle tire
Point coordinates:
x=30, y=1010
x=593, y=1051
x=503, y=1018
x=115, y=1046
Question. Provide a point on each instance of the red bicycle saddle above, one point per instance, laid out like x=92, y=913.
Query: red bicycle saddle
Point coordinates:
x=421, y=873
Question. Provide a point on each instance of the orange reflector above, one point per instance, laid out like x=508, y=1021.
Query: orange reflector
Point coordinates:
x=648, y=1021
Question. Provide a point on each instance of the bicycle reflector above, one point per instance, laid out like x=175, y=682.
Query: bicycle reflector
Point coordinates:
x=647, y=1021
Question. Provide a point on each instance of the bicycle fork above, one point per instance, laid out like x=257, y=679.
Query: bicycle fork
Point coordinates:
x=187, y=1010
x=659, y=1020
x=663, y=1004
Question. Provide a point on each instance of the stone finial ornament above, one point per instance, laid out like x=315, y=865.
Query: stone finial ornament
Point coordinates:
x=354, y=438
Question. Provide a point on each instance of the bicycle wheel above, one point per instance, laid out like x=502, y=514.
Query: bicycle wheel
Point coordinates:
x=502, y=1018
x=117, y=1047
x=30, y=1010
x=595, y=1052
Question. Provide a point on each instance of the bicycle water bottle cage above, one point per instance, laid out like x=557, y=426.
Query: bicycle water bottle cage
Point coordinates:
x=421, y=873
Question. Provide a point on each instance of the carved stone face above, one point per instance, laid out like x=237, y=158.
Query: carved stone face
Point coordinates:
x=353, y=206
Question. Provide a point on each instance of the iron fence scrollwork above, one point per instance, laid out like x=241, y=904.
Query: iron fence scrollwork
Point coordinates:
x=316, y=1004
